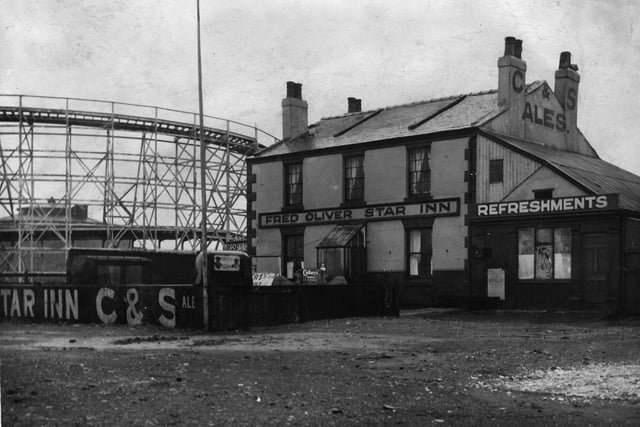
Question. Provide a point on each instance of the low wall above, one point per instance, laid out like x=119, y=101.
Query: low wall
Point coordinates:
x=181, y=305
x=166, y=305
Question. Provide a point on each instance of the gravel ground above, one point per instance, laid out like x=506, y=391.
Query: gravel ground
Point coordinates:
x=425, y=367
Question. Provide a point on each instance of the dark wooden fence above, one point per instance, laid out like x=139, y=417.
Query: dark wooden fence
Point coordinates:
x=230, y=307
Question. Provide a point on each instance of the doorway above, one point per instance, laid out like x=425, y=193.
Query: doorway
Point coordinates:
x=595, y=266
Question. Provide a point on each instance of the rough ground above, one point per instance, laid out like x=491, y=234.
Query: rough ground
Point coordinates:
x=423, y=368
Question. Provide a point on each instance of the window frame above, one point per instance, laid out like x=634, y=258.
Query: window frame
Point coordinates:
x=553, y=244
x=496, y=177
x=289, y=201
x=425, y=195
x=353, y=200
x=296, y=233
x=543, y=194
x=423, y=252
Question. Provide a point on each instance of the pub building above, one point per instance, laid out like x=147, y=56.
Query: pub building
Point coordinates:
x=488, y=196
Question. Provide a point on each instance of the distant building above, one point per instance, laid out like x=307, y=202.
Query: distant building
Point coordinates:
x=492, y=194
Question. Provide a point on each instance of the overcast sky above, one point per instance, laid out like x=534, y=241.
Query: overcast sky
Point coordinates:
x=384, y=52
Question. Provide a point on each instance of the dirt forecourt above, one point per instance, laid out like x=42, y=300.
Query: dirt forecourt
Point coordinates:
x=426, y=367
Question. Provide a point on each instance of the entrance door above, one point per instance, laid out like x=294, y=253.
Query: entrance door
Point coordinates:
x=596, y=268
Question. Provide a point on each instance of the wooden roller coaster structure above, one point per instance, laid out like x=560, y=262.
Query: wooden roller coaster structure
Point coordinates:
x=81, y=172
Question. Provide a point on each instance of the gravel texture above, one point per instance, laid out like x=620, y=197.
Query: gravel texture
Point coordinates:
x=426, y=367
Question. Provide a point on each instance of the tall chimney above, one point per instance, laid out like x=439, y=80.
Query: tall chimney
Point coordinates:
x=354, y=105
x=511, y=84
x=566, y=90
x=294, y=111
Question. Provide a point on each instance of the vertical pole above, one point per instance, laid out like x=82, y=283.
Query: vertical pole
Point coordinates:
x=68, y=184
x=228, y=184
x=203, y=183
x=21, y=184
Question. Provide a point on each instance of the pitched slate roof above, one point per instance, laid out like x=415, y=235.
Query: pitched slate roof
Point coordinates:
x=592, y=173
x=418, y=118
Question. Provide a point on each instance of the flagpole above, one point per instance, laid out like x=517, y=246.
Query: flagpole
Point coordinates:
x=203, y=176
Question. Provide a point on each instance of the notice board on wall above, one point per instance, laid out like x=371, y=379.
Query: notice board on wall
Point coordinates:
x=495, y=283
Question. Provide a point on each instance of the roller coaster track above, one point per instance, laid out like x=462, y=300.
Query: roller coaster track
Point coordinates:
x=134, y=170
x=238, y=143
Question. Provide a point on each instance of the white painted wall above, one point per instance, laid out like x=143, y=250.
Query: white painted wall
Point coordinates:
x=322, y=181
x=385, y=175
x=385, y=246
x=448, y=236
x=447, y=168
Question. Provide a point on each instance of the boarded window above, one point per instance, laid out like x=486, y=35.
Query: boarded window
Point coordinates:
x=496, y=171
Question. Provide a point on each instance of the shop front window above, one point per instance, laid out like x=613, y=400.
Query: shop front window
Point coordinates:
x=420, y=262
x=544, y=253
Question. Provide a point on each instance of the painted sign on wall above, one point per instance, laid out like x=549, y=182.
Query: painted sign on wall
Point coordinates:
x=440, y=207
x=547, y=206
x=169, y=306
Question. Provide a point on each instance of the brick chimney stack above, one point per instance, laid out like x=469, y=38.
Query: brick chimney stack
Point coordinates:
x=354, y=105
x=512, y=84
x=566, y=90
x=294, y=111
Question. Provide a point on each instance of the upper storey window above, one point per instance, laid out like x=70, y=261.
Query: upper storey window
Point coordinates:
x=293, y=184
x=419, y=172
x=354, y=178
x=496, y=171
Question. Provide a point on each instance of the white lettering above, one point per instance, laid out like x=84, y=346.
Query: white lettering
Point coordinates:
x=29, y=299
x=134, y=317
x=5, y=294
x=56, y=303
x=168, y=307
x=105, y=318
x=71, y=304
x=15, y=304
x=601, y=202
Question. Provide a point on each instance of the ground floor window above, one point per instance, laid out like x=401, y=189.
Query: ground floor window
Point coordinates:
x=420, y=253
x=544, y=253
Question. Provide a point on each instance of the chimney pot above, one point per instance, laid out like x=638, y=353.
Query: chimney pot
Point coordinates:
x=518, y=48
x=354, y=105
x=565, y=60
x=509, y=46
x=291, y=90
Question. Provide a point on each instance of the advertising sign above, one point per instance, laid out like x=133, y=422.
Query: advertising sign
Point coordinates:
x=226, y=263
x=263, y=279
x=547, y=206
x=166, y=305
x=433, y=208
